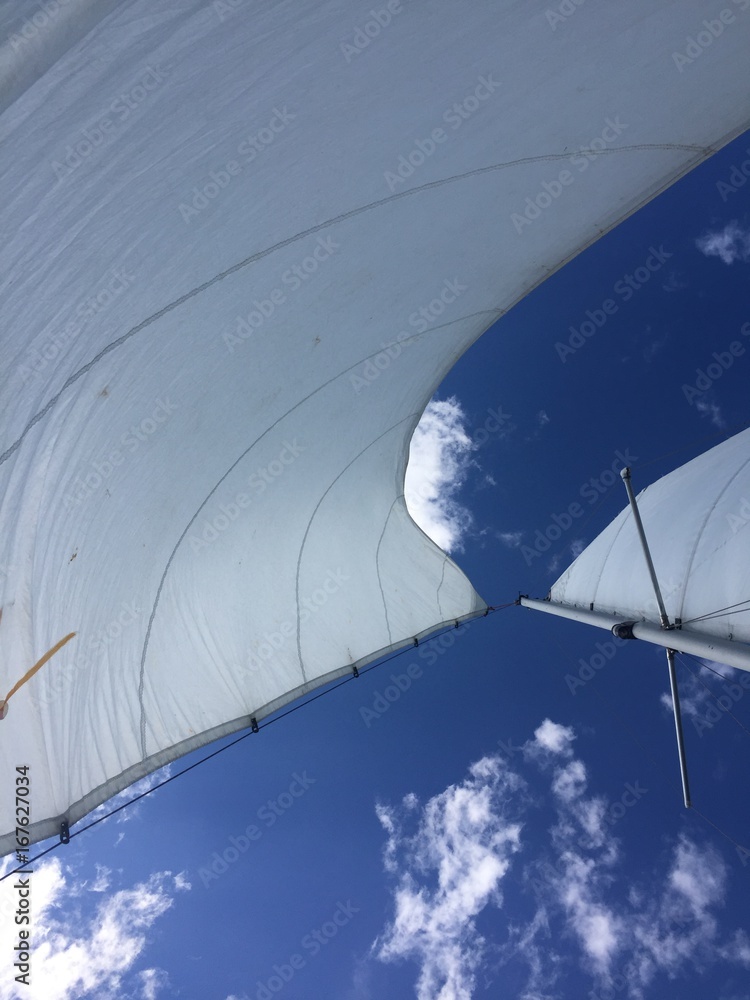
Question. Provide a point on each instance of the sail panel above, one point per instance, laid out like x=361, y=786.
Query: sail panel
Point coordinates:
x=697, y=523
x=244, y=247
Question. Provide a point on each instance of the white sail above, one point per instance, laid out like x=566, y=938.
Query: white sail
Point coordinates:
x=697, y=523
x=243, y=243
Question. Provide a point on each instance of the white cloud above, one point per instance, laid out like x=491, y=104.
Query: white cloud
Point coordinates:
x=554, y=737
x=712, y=411
x=625, y=931
x=727, y=672
x=674, y=282
x=596, y=926
x=532, y=944
x=701, y=884
x=676, y=927
x=79, y=951
x=439, y=459
x=591, y=814
x=447, y=872
x=101, y=882
x=696, y=691
x=670, y=924
x=542, y=418
x=730, y=244
x=654, y=346
x=180, y=882
x=570, y=782
x=129, y=794
x=576, y=547
x=693, y=699
x=151, y=982
x=512, y=539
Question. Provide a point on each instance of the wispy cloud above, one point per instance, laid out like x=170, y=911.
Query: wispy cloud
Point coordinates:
x=448, y=859
x=81, y=951
x=674, y=282
x=439, y=461
x=566, y=555
x=553, y=737
x=512, y=539
x=730, y=244
x=654, y=346
x=127, y=795
x=712, y=411
x=576, y=547
x=152, y=981
x=447, y=871
x=703, y=694
x=101, y=882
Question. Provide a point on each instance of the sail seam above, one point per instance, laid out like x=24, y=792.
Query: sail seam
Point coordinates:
x=440, y=585
x=215, y=488
x=377, y=567
x=309, y=525
x=702, y=528
x=311, y=231
x=628, y=515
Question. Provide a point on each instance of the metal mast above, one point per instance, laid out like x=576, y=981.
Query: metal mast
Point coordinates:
x=670, y=635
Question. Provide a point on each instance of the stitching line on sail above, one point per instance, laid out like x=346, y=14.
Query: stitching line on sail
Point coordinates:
x=440, y=585
x=625, y=520
x=218, y=484
x=311, y=231
x=702, y=528
x=377, y=567
x=356, y=458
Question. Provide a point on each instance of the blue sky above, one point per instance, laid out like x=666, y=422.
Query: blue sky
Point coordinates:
x=465, y=821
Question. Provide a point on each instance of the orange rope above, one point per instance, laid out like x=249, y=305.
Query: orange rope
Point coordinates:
x=38, y=665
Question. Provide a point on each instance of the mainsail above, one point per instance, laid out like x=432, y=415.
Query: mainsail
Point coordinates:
x=243, y=245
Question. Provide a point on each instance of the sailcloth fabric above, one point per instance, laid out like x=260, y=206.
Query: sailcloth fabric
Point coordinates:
x=696, y=523
x=243, y=243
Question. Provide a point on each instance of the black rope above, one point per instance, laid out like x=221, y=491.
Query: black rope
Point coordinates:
x=328, y=689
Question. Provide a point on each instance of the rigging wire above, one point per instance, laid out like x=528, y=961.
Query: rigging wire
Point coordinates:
x=741, y=849
x=720, y=612
x=744, y=851
x=711, y=693
x=328, y=689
